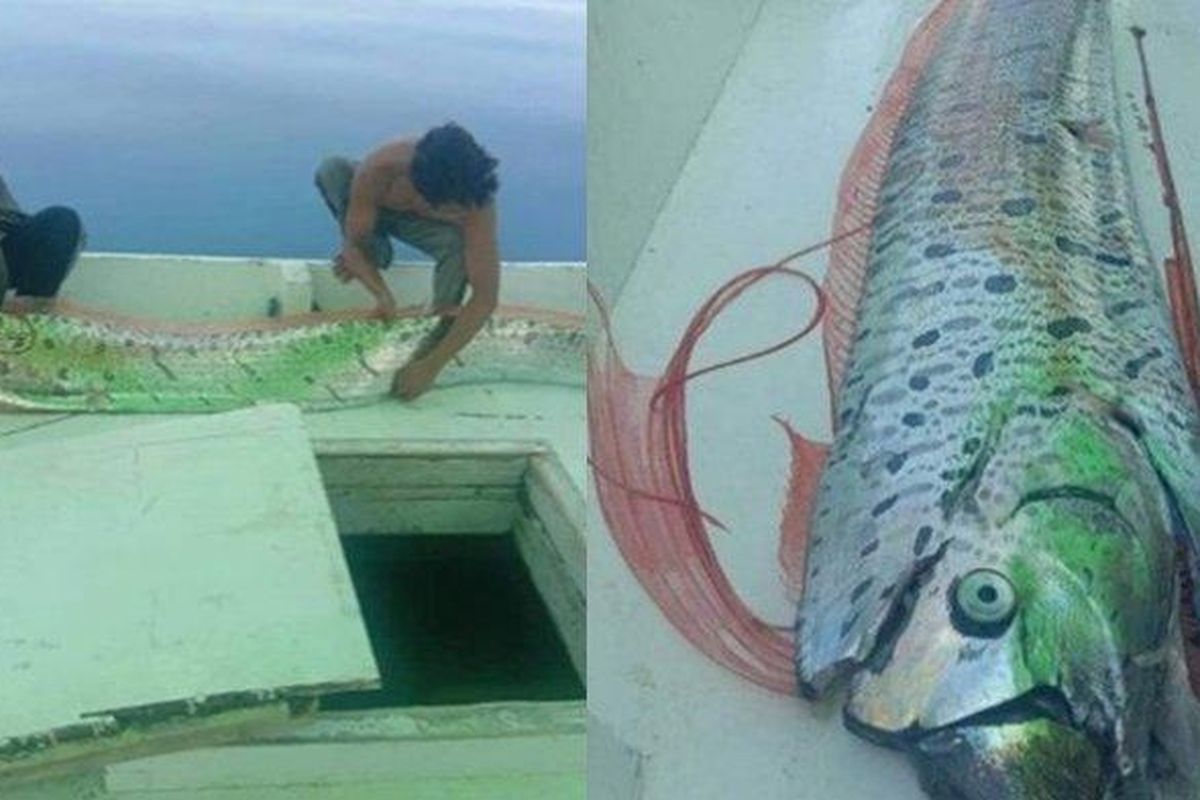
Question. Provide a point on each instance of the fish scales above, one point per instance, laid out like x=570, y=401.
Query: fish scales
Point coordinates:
x=71, y=363
x=1007, y=279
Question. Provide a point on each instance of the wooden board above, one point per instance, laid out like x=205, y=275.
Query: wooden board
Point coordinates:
x=164, y=562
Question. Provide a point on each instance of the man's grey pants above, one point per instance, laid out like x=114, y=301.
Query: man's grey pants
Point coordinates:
x=440, y=240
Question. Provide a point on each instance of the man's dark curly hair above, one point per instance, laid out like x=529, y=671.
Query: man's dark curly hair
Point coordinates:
x=449, y=166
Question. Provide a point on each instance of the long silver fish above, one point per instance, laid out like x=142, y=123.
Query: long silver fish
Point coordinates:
x=992, y=555
x=73, y=362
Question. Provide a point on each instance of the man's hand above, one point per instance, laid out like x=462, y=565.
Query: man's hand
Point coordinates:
x=350, y=265
x=415, y=378
x=385, y=308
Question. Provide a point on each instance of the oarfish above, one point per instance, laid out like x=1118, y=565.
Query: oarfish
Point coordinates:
x=991, y=549
x=991, y=556
x=74, y=362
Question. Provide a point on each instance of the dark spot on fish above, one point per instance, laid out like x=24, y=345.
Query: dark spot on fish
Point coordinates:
x=48, y=344
x=918, y=383
x=923, y=535
x=1113, y=261
x=1031, y=138
x=1060, y=391
x=1070, y=246
x=971, y=445
x=860, y=590
x=927, y=338
x=1068, y=326
x=870, y=547
x=896, y=462
x=1018, y=208
x=982, y=365
x=1124, y=306
x=156, y=357
x=883, y=505
x=108, y=376
x=913, y=419
x=848, y=625
x=1110, y=217
x=888, y=591
x=362, y=361
x=310, y=380
x=938, y=250
x=1000, y=284
x=63, y=374
x=1134, y=366
x=326, y=338
x=947, y=196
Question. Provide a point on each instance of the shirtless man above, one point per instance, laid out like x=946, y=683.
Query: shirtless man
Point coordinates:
x=36, y=252
x=434, y=193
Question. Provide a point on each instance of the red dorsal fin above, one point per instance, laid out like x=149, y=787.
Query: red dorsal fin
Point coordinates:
x=808, y=457
x=1181, y=292
x=858, y=194
x=1180, y=270
x=639, y=453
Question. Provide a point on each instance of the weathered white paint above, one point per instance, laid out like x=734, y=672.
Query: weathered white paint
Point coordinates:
x=198, y=579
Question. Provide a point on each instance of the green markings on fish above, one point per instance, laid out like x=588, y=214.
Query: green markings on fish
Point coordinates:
x=991, y=555
x=74, y=363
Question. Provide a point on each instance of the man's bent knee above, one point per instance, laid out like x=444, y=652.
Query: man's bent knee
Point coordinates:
x=334, y=170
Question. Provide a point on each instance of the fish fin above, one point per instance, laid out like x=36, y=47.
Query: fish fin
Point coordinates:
x=859, y=190
x=1180, y=272
x=808, y=458
x=639, y=456
x=1181, y=294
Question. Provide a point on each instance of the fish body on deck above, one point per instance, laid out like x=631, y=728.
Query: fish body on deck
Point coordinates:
x=991, y=557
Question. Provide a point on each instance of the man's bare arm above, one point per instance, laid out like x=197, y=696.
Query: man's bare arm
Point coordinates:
x=358, y=229
x=482, y=259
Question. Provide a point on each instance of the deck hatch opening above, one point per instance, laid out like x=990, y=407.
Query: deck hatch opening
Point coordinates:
x=467, y=570
x=453, y=620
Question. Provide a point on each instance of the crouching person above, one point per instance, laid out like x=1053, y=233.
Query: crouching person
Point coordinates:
x=37, y=251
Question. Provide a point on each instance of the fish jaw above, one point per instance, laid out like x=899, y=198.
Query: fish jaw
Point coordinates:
x=1036, y=759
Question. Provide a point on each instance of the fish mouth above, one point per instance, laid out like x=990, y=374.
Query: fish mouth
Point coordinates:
x=1026, y=749
x=1036, y=759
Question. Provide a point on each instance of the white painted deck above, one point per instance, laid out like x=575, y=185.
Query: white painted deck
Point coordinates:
x=510, y=751
x=756, y=147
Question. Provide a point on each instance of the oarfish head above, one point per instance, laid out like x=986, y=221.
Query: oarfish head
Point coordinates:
x=1027, y=659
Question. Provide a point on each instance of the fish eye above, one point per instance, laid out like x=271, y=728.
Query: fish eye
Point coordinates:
x=983, y=602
